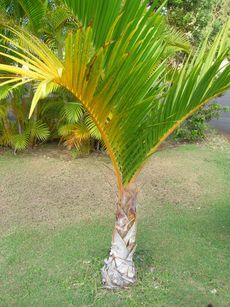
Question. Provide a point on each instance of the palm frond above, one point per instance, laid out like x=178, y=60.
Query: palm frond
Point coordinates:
x=118, y=73
x=4, y=92
x=51, y=109
x=94, y=131
x=66, y=130
x=35, y=11
x=5, y=137
x=37, y=130
x=177, y=40
x=72, y=112
x=58, y=17
x=19, y=141
x=101, y=14
x=3, y=109
x=42, y=91
x=81, y=132
x=77, y=135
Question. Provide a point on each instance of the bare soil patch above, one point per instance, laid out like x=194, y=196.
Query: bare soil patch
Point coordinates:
x=48, y=186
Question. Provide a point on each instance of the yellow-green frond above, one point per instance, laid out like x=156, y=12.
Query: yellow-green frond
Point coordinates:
x=122, y=82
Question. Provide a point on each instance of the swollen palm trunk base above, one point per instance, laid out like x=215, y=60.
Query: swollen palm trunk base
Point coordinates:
x=119, y=270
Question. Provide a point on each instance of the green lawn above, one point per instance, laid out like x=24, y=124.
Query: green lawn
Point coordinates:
x=57, y=217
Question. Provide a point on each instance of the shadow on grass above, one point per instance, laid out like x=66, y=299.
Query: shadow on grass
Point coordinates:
x=181, y=260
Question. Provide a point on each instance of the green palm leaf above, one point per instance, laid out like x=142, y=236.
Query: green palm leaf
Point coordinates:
x=35, y=10
x=101, y=14
x=94, y=131
x=66, y=130
x=4, y=92
x=4, y=107
x=19, y=141
x=72, y=112
x=117, y=68
x=57, y=18
x=38, y=130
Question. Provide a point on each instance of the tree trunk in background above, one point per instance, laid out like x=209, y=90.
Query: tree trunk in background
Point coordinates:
x=118, y=270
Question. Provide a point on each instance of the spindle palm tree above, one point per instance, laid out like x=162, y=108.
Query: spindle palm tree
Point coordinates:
x=117, y=65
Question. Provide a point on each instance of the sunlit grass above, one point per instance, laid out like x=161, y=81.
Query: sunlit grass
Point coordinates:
x=182, y=254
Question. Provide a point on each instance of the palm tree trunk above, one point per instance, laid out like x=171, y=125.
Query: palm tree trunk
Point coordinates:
x=119, y=270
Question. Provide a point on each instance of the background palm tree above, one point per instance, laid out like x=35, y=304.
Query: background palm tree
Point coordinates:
x=77, y=129
x=17, y=131
x=118, y=66
x=48, y=20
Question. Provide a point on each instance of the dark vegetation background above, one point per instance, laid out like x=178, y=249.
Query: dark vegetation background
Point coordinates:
x=59, y=118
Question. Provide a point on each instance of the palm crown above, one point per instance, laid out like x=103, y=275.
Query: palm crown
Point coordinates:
x=117, y=65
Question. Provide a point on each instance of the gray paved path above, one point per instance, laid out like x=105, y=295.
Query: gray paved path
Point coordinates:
x=223, y=124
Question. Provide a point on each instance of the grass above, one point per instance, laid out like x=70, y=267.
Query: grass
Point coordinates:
x=183, y=240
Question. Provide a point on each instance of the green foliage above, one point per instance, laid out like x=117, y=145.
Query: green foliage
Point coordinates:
x=34, y=132
x=77, y=129
x=35, y=11
x=19, y=141
x=72, y=112
x=37, y=131
x=16, y=131
x=195, y=17
x=102, y=14
x=118, y=68
x=49, y=20
x=195, y=127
